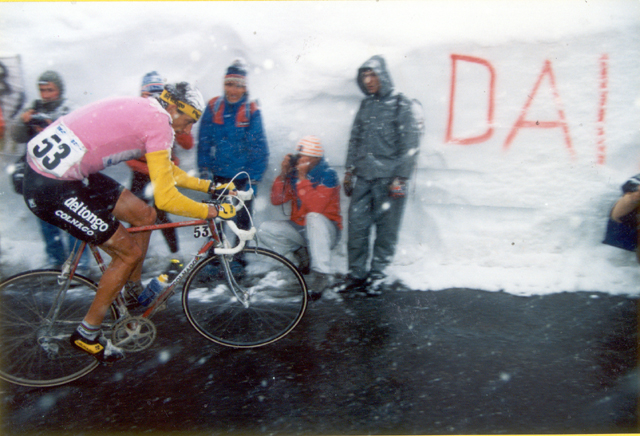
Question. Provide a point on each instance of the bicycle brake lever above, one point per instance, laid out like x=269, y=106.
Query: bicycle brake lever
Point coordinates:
x=245, y=195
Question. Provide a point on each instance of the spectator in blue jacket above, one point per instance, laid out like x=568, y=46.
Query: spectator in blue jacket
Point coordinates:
x=231, y=138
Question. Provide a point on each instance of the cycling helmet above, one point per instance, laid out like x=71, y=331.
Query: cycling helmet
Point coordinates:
x=188, y=99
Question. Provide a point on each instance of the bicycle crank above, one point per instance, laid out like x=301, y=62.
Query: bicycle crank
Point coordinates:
x=134, y=333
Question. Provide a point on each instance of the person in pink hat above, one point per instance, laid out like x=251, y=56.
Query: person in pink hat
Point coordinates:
x=313, y=188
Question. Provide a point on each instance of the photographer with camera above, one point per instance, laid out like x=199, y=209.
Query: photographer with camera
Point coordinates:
x=313, y=188
x=43, y=111
x=49, y=107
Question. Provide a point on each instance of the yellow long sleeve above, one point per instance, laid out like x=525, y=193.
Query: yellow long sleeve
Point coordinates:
x=165, y=176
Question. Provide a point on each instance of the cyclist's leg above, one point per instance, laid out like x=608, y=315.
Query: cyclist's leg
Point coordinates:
x=136, y=212
x=90, y=210
x=127, y=253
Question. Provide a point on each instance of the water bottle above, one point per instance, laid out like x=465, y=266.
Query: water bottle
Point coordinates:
x=174, y=269
x=153, y=289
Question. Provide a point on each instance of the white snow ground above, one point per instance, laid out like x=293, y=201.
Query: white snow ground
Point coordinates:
x=526, y=219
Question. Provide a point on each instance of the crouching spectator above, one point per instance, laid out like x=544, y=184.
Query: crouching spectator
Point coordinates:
x=313, y=188
x=623, y=220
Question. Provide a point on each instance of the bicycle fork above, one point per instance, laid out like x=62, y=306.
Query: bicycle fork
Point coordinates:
x=45, y=335
x=240, y=292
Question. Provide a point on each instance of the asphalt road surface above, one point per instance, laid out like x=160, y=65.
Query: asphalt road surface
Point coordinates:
x=455, y=361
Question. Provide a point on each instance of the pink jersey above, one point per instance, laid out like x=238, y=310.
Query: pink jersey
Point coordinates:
x=101, y=134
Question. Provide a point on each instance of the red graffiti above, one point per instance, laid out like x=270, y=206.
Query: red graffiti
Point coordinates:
x=492, y=83
x=521, y=122
x=604, y=90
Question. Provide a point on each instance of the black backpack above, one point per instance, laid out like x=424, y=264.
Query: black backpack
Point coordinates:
x=17, y=176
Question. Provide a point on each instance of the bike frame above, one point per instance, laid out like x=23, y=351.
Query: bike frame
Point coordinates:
x=214, y=239
x=134, y=332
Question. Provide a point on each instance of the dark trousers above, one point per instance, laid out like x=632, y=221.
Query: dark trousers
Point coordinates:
x=372, y=207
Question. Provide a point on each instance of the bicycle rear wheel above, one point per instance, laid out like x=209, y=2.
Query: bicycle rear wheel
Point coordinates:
x=34, y=351
x=261, y=301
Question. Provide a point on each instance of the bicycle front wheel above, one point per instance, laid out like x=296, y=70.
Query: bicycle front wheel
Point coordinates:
x=257, y=300
x=34, y=342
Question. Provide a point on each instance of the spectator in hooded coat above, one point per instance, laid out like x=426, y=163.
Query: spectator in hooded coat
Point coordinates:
x=381, y=155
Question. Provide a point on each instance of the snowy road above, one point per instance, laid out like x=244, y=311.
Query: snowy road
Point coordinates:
x=447, y=362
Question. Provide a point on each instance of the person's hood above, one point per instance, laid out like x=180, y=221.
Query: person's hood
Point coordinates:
x=55, y=78
x=379, y=66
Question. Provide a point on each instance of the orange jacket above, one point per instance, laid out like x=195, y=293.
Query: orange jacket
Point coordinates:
x=320, y=193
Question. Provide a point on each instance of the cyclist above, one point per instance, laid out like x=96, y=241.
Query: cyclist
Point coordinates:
x=63, y=185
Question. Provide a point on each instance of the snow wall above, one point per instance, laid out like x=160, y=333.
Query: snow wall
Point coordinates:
x=529, y=133
x=527, y=145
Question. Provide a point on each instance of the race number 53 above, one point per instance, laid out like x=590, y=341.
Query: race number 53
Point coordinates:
x=201, y=232
x=56, y=149
x=51, y=157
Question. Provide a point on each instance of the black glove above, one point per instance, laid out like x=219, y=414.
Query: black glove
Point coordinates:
x=348, y=184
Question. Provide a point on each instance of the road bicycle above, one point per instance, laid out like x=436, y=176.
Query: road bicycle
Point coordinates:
x=236, y=295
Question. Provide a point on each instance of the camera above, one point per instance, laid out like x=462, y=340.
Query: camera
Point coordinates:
x=40, y=120
x=293, y=160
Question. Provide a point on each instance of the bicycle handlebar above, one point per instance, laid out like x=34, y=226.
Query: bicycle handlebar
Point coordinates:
x=243, y=235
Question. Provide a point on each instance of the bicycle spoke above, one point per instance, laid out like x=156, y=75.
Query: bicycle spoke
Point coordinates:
x=276, y=300
x=34, y=350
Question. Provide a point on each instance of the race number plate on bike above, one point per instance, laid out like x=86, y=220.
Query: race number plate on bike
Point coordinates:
x=201, y=232
x=55, y=150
